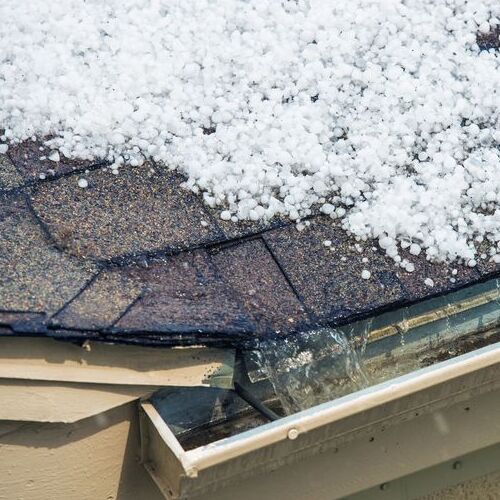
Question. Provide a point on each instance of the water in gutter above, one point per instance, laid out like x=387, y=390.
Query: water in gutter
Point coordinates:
x=328, y=363
x=314, y=367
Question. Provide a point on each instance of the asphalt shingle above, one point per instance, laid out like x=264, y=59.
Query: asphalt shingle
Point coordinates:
x=9, y=176
x=141, y=210
x=34, y=277
x=184, y=293
x=101, y=303
x=328, y=278
x=172, y=273
x=32, y=161
x=253, y=274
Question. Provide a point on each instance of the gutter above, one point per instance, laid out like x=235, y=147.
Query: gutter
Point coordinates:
x=318, y=431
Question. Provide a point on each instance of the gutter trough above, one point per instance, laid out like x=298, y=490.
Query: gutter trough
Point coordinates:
x=397, y=394
x=425, y=400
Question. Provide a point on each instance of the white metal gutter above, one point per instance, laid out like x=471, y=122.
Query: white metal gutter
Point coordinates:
x=280, y=444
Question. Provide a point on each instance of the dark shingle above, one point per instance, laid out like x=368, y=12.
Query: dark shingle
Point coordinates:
x=255, y=277
x=242, y=229
x=490, y=40
x=137, y=211
x=9, y=176
x=328, y=278
x=183, y=294
x=486, y=266
x=441, y=275
x=23, y=321
x=33, y=162
x=34, y=275
x=101, y=303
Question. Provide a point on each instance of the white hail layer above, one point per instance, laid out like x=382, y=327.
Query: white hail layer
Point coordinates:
x=382, y=112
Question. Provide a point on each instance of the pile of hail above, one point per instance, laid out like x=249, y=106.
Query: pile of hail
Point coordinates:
x=381, y=113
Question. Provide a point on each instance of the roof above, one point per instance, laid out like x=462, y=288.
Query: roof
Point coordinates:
x=136, y=258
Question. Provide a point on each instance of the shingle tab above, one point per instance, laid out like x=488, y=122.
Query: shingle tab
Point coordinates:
x=9, y=176
x=31, y=161
x=441, y=275
x=328, y=278
x=184, y=294
x=255, y=277
x=23, y=321
x=485, y=265
x=34, y=276
x=101, y=303
x=137, y=211
x=241, y=229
